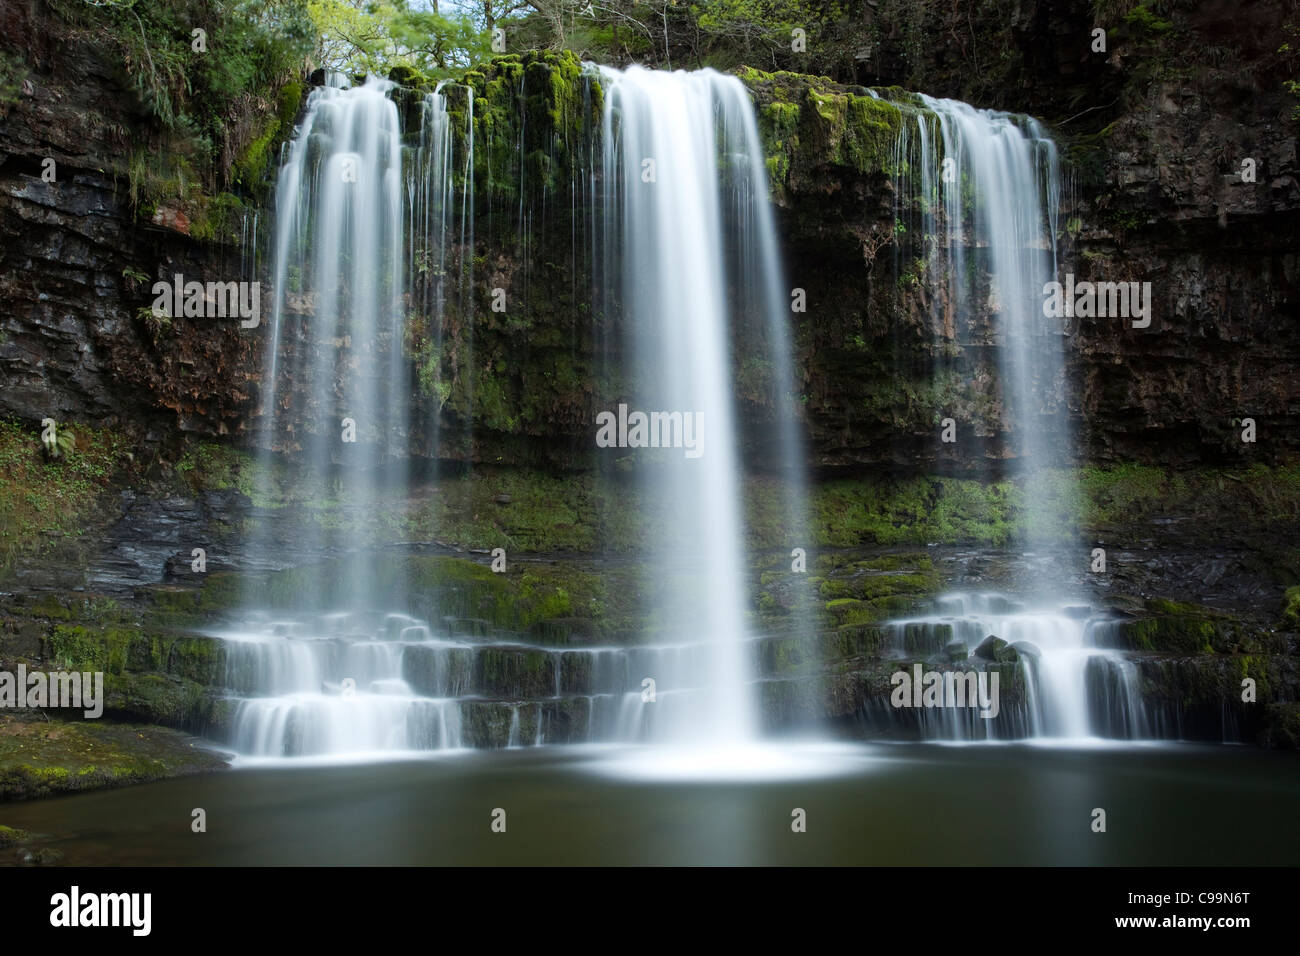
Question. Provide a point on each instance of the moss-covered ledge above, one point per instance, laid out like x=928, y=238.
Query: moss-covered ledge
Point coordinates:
x=41, y=757
x=1181, y=628
x=810, y=124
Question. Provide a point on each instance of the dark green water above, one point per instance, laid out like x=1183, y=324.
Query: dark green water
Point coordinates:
x=898, y=805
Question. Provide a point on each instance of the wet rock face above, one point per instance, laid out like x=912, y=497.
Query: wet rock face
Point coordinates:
x=1155, y=147
x=1193, y=184
x=76, y=268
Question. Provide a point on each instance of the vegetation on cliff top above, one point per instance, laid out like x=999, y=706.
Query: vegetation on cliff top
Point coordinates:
x=207, y=75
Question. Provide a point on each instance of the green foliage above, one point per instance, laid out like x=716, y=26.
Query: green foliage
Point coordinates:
x=1291, y=608
x=250, y=46
x=65, y=443
x=202, y=98
x=1143, y=24
x=219, y=218
x=1289, y=54
x=357, y=37
x=12, y=71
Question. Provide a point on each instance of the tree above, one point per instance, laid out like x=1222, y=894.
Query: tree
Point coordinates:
x=372, y=36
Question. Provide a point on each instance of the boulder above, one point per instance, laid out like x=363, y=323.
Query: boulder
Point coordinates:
x=989, y=647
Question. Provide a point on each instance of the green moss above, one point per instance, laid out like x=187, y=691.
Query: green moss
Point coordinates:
x=49, y=605
x=11, y=835
x=159, y=699
x=209, y=466
x=531, y=114
x=219, y=218
x=1282, y=725
x=252, y=166
x=779, y=123
x=46, y=502
x=919, y=510
x=80, y=648
x=118, y=650
x=1291, y=607
x=43, y=757
x=1176, y=635
x=523, y=599
x=1179, y=628
x=854, y=131
x=1144, y=24
x=410, y=77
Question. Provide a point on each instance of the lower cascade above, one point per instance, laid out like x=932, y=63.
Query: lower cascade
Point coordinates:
x=1059, y=672
x=349, y=683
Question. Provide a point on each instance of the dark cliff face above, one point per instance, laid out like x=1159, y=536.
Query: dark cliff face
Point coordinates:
x=1154, y=140
x=1176, y=208
x=77, y=266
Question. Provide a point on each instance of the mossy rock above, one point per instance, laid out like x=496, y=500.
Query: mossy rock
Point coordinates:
x=517, y=673
x=1281, y=726
x=779, y=656
x=486, y=724
x=1291, y=608
x=11, y=835
x=117, y=650
x=852, y=641
x=159, y=699
x=39, y=758
x=1178, y=628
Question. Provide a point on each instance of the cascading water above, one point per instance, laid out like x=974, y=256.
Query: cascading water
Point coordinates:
x=687, y=221
x=685, y=249
x=990, y=191
x=696, y=254
x=361, y=221
x=1077, y=684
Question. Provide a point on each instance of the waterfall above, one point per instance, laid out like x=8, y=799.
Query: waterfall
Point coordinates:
x=335, y=361
x=691, y=255
x=984, y=190
x=370, y=219
x=1012, y=168
x=437, y=215
x=373, y=221
x=363, y=222
x=1075, y=685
